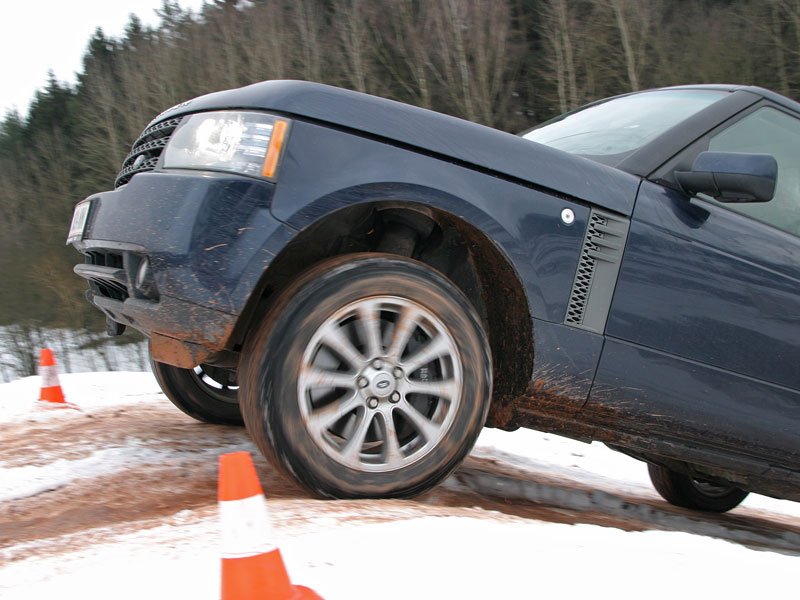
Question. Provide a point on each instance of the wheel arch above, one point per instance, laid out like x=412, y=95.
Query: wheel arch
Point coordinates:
x=436, y=236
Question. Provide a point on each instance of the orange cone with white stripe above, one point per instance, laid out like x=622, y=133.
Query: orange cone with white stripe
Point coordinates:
x=50, y=388
x=252, y=566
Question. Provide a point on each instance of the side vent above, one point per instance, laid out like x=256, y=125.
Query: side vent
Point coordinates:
x=597, y=272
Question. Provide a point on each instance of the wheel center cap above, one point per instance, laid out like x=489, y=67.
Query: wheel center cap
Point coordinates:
x=382, y=384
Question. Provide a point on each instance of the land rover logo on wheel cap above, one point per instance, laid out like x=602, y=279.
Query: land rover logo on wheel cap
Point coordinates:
x=382, y=385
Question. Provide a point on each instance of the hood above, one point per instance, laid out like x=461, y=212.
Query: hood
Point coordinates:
x=450, y=138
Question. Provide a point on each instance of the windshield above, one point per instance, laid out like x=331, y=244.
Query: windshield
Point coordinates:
x=610, y=131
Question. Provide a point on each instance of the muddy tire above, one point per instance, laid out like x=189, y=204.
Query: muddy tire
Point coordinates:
x=683, y=490
x=206, y=393
x=369, y=377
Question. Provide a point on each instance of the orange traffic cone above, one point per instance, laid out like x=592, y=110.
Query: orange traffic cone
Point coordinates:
x=51, y=388
x=252, y=566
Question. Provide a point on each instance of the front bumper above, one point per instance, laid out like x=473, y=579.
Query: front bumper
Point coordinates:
x=177, y=256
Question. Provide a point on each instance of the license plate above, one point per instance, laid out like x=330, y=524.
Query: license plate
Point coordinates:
x=78, y=222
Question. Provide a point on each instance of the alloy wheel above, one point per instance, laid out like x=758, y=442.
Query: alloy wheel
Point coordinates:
x=379, y=384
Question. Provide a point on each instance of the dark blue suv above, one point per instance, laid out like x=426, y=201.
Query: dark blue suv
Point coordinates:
x=366, y=284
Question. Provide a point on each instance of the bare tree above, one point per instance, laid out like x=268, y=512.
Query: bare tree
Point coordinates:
x=104, y=144
x=557, y=28
x=404, y=30
x=308, y=20
x=624, y=13
x=268, y=47
x=351, y=24
x=473, y=61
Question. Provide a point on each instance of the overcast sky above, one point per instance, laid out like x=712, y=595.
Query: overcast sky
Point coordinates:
x=41, y=35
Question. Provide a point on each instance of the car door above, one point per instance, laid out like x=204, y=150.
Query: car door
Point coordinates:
x=704, y=329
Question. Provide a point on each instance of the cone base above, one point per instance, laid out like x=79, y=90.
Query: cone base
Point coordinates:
x=256, y=578
x=301, y=592
x=52, y=395
x=45, y=405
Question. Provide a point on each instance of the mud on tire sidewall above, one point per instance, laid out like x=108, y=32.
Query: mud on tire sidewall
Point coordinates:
x=272, y=360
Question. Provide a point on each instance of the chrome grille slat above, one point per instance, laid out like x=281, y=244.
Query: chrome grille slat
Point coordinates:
x=146, y=150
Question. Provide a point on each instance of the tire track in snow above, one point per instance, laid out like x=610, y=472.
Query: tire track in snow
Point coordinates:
x=131, y=467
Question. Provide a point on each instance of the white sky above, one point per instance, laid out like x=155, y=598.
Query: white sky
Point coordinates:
x=41, y=35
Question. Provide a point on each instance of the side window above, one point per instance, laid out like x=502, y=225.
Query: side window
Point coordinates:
x=769, y=131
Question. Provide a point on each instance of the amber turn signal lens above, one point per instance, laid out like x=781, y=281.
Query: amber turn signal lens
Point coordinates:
x=275, y=147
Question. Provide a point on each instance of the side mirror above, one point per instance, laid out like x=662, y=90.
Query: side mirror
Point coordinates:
x=731, y=176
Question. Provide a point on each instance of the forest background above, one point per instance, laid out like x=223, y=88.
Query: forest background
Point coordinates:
x=508, y=64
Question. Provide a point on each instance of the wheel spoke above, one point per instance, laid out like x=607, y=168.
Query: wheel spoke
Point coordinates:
x=391, y=450
x=428, y=429
x=440, y=389
x=434, y=349
x=313, y=378
x=319, y=421
x=370, y=318
x=218, y=383
x=404, y=327
x=352, y=449
x=335, y=339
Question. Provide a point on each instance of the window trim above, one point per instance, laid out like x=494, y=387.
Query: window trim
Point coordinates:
x=683, y=161
x=674, y=141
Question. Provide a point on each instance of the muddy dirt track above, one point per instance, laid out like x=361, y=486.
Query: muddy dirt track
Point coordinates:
x=174, y=468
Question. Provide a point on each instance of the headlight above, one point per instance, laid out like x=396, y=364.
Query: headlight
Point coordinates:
x=243, y=142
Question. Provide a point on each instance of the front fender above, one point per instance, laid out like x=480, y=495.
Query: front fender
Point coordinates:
x=325, y=170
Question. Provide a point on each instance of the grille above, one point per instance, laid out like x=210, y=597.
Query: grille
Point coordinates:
x=104, y=286
x=146, y=150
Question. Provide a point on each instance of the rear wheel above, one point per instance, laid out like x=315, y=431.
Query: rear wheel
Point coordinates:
x=686, y=491
x=206, y=393
x=370, y=377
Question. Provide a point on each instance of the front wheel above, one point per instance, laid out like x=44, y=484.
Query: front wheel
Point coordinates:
x=684, y=490
x=370, y=377
x=206, y=393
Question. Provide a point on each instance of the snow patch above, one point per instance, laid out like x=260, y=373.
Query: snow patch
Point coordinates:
x=433, y=557
x=19, y=400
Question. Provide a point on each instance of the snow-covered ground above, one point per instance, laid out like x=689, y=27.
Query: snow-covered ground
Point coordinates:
x=52, y=462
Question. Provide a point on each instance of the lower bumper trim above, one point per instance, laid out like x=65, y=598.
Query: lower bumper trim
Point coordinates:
x=199, y=331
x=177, y=353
